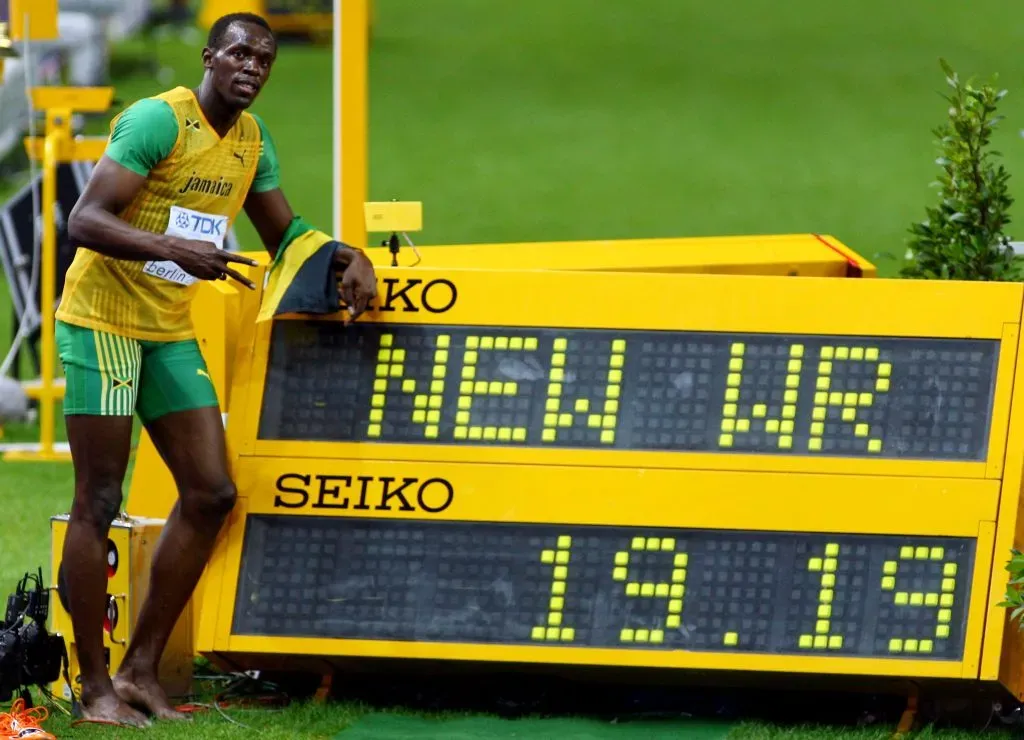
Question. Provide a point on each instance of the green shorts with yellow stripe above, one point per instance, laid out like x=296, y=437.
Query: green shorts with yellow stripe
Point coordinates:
x=111, y=375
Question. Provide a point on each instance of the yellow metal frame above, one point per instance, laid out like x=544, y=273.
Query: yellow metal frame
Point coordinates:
x=351, y=23
x=313, y=23
x=33, y=20
x=805, y=255
x=973, y=496
x=687, y=498
x=1003, y=652
x=57, y=146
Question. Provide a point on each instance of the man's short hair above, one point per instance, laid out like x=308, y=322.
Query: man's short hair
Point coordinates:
x=221, y=25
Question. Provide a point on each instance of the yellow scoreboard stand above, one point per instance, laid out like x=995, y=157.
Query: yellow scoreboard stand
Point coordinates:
x=688, y=471
x=691, y=471
x=805, y=255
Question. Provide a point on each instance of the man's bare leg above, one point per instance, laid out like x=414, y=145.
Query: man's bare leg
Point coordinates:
x=100, y=446
x=193, y=447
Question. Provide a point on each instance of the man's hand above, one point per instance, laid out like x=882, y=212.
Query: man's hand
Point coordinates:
x=358, y=280
x=206, y=262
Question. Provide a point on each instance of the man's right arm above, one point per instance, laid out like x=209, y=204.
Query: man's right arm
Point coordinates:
x=143, y=135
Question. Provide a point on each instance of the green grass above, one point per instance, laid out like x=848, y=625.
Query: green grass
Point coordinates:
x=754, y=731
x=310, y=720
x=306, y=720
x=544, y=121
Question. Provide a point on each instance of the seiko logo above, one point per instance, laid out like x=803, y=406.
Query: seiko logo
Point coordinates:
x=410, y=295
x=203, y=185
x=299, y=491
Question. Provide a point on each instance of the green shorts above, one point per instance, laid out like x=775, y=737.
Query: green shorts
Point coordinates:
x=110, y=375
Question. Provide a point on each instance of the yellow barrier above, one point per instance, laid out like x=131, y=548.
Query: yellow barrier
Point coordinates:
x=57, y=146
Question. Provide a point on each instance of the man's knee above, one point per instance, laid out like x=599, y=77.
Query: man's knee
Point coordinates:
x=212, y=502
x=98, y=504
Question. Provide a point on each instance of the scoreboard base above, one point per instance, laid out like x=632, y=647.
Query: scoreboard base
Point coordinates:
x=468, y=681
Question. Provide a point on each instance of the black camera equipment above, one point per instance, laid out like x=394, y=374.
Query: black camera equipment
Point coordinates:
x=29, y=655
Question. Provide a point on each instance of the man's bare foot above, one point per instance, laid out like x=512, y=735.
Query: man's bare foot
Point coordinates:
x=143, y=690
x=111, y=708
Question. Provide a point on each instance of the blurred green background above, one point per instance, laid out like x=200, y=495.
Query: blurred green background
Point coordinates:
x=582, y=119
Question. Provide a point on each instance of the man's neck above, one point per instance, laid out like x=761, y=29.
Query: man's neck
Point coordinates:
x=219, y=115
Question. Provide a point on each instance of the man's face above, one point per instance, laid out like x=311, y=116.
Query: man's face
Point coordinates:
x=241, y=66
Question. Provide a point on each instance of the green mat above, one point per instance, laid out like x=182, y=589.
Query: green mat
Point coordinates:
x=390, y=727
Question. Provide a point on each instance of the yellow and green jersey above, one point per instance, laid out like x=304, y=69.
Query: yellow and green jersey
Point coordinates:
x=196, y=184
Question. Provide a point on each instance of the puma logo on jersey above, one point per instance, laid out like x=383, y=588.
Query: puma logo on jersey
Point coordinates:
x=239, y=157
x=200, y=371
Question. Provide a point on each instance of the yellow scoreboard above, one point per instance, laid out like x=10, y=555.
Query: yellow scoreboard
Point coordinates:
x=804, y=255
x=688, y=471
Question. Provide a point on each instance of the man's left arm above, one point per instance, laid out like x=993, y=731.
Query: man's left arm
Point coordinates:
x=277, y=225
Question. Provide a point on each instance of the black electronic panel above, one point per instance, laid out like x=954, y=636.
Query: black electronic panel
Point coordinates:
x=630, y=390
x=588, y=586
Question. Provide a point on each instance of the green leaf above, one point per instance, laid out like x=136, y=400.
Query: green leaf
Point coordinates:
x=962, y=236
x=946, y=68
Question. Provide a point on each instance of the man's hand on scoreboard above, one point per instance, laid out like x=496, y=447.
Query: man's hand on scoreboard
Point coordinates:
x=358, y=280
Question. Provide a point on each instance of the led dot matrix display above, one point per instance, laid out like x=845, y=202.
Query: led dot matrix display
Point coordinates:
x=639, y=390
x=588, y=586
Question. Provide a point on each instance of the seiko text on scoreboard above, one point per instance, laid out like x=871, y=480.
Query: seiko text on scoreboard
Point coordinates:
x=753, y=473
